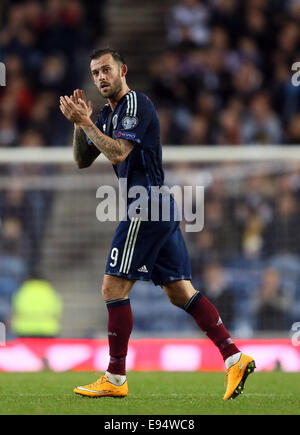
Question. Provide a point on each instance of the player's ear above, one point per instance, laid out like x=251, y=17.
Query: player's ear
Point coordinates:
x=124, y=70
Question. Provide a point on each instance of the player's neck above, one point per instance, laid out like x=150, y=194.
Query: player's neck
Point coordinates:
x=114, y=101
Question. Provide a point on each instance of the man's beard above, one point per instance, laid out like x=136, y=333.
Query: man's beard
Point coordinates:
x=115, y=89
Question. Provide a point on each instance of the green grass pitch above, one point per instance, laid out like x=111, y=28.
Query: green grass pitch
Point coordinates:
x=154, y=393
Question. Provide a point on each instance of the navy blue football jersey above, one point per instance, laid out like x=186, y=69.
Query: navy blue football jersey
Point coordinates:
x=143, y=249
x=136, y=120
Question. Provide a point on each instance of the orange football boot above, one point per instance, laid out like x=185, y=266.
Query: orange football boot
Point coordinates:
x=101, y=388
x=236, y=376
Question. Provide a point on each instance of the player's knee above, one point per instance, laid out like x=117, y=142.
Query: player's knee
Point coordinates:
x=179, y=293
x=115, y=289
x=106, y=292
x=176, y=300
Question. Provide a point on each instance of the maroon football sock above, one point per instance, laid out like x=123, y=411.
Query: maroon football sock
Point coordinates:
x=208, y=319
x=120, y=323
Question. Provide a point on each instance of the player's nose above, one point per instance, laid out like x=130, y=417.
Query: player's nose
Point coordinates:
x=101, y=76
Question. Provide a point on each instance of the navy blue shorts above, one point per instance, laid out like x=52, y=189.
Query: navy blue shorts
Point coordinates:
x=146, y=250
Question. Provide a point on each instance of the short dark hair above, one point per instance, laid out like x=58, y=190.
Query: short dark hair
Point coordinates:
x=102, y=51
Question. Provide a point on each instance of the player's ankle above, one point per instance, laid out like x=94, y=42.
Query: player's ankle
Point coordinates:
x=116, y=379
x=232, y=360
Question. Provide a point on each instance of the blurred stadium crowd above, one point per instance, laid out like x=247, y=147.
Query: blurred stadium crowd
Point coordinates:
x=223, y=79
x=44, y=46
x=226, y=77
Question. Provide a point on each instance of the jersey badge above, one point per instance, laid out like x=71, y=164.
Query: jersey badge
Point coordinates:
x=129, y=122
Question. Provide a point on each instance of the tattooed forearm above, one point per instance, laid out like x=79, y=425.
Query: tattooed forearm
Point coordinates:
x=84, y=154
x=114, y=150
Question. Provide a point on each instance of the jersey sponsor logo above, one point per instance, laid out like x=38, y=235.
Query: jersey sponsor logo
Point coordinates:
x=126, y=135
x=129, y=122
x=104, y=128
x=143, y=269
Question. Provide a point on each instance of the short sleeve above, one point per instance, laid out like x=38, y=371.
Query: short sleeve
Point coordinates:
x=135, y=117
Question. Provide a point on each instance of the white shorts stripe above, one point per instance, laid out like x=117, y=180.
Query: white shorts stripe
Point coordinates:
x=133, y=246
x=126, y=244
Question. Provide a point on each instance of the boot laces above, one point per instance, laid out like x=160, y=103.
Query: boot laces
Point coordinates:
x=99, y=381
